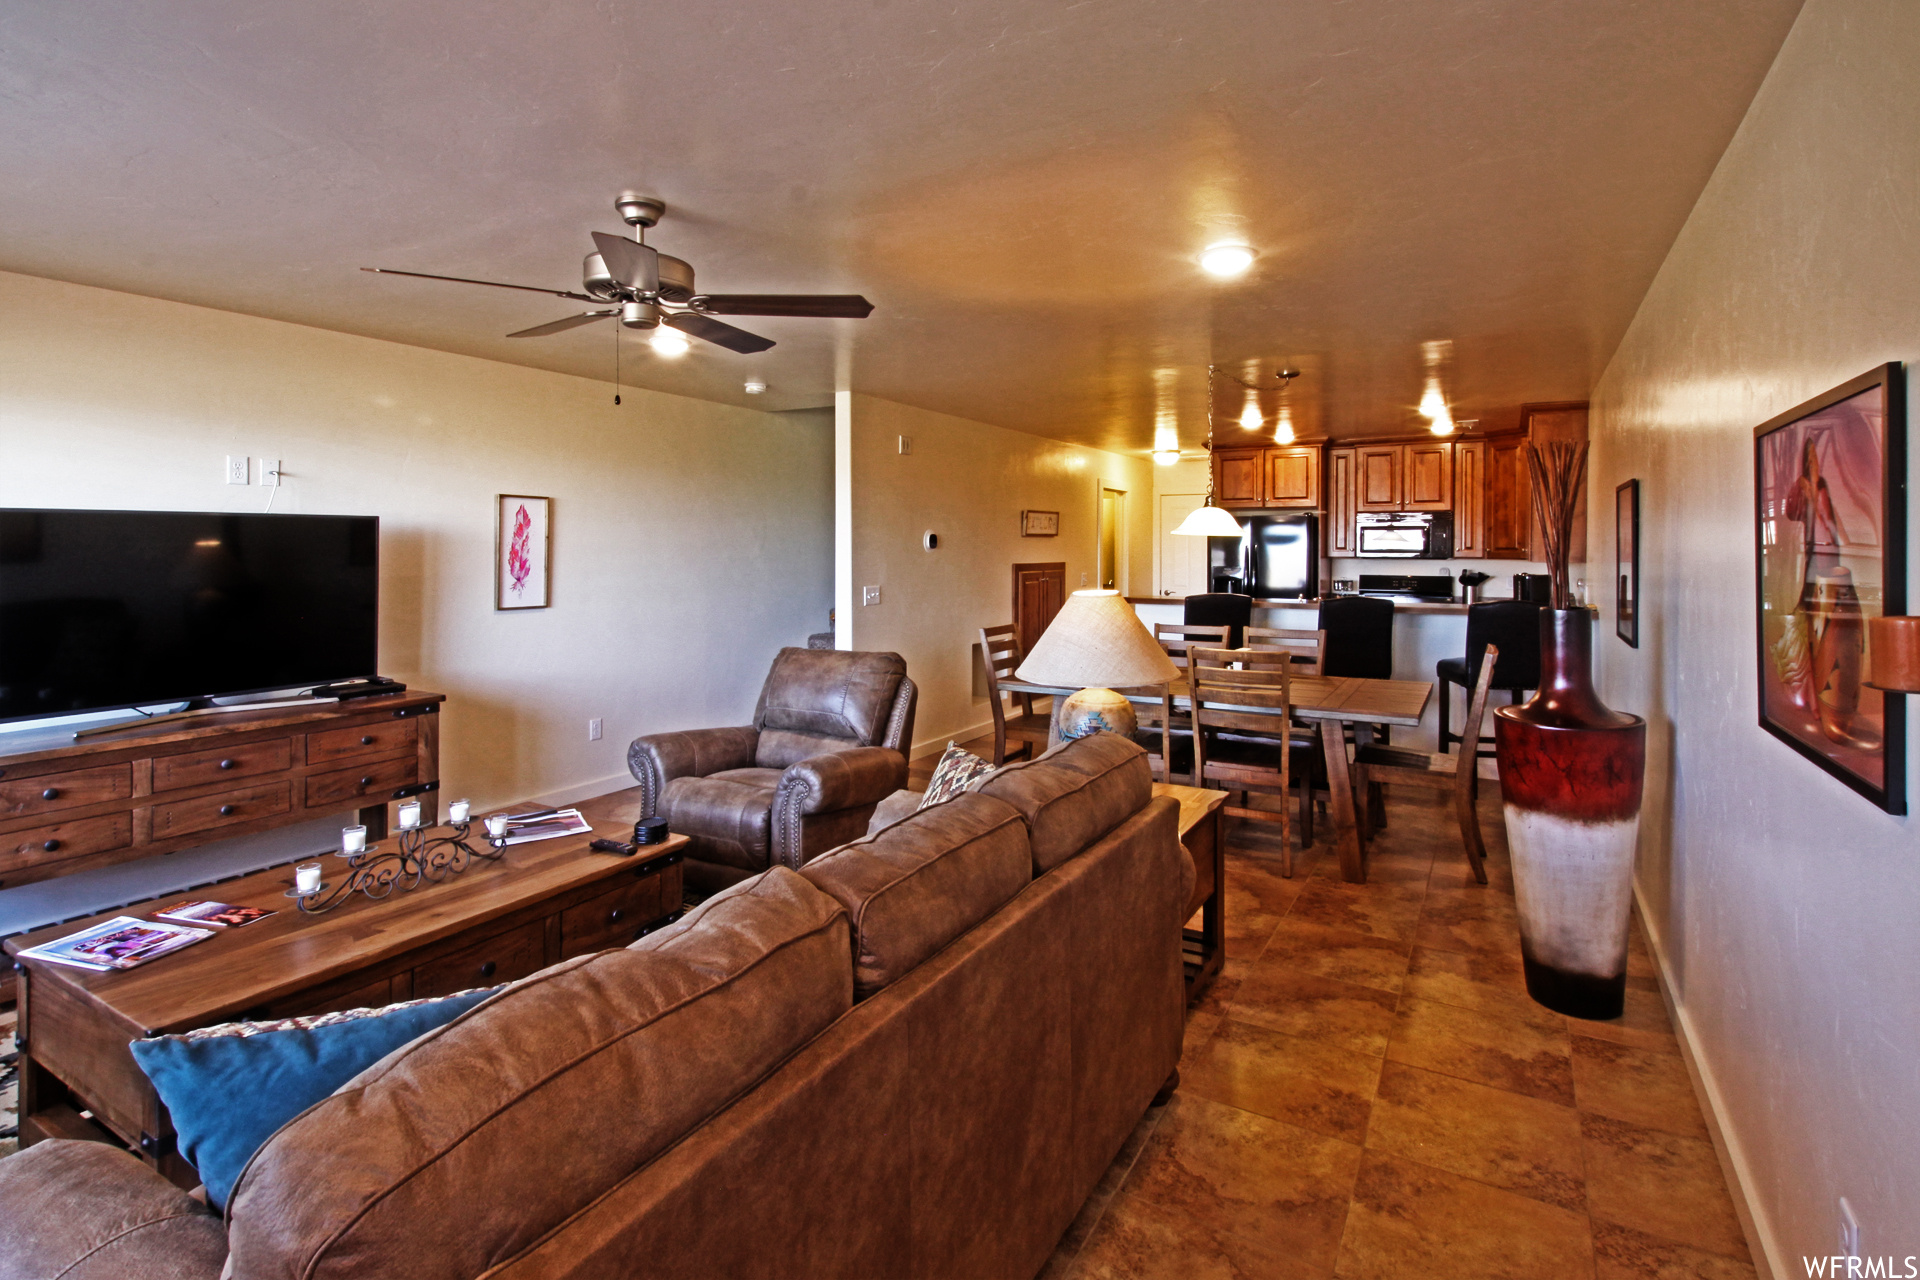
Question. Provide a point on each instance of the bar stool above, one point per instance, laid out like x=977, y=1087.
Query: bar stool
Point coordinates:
x=1359, y=636
x=1512, y=627
x=1221, y=609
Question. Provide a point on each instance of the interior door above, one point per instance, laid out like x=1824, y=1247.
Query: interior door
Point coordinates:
x=1183, y=559
x=1038, y=590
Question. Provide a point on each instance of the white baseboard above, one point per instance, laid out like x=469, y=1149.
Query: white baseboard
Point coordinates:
x=938, y=742
x=581, y=792
x=1767, y=1261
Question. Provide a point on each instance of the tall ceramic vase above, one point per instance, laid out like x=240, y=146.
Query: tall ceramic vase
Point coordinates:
x=1570, y=773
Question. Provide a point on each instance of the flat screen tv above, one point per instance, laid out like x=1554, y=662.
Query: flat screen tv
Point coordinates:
x=106, y=609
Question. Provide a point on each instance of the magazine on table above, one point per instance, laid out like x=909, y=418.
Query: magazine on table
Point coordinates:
x=549, y=825
x=120, y=943
x=221, y=915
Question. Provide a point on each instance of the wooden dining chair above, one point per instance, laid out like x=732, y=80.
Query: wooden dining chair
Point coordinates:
x=1243, y=732
x=1458, y=772
x=1000, y=655
x=1167, y=733
x=1309, y=648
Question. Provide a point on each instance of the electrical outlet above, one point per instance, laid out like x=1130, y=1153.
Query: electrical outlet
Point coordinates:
x=1083, y=579
x=1849, y=1231
x=869, y=595
x=906, y=444
x=270, y=472
x=236, y=469
x=593, y=730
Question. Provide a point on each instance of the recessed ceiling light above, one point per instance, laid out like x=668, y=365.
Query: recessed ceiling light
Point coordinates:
x=1226, y=259
x=755, y=387
x=670, y=343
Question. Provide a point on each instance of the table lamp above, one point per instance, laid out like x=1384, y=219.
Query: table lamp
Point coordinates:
x=1097, y=643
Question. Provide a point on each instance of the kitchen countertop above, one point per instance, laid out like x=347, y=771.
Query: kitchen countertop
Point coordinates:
x=1423, y=606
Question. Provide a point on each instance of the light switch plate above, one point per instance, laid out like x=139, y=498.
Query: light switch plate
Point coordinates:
x=236, y=469
x=869, y=595
x=906, y=444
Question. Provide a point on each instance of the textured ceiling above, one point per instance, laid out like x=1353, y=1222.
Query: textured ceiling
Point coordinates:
x=1020, y=188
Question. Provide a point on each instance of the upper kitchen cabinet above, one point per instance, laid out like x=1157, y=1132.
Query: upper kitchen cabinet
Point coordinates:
x=1469, y=499
x=1509, y=507
x=1404, y=477
x=1340, y=495
x=1239, y=477
x=1275, y=477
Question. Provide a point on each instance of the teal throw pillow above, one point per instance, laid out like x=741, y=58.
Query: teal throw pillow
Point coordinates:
x=230, y=1087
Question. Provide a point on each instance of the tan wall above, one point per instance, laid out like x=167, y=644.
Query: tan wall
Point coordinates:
x=1783, y=902
x=690, y=539
x=968, y=482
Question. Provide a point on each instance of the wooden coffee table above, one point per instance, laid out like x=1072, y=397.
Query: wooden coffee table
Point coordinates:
x=541, y=903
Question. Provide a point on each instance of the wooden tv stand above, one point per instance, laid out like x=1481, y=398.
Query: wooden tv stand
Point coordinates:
x=70, y=805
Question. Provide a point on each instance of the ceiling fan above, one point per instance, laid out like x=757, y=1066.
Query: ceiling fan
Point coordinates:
x=650, y=288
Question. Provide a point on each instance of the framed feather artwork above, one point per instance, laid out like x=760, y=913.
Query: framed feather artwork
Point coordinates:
x=522, y=552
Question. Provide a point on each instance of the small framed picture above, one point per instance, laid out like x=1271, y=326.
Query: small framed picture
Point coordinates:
x=1039, y=524
x=522, y=552
x=1626, y=557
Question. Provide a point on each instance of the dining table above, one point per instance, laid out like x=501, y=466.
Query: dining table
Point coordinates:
x=1333, y=700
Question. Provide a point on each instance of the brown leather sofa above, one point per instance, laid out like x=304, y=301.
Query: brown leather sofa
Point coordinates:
x=828, y=741
x=915, y=1057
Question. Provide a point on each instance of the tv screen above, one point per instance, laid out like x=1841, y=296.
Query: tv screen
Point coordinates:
x=104, y=609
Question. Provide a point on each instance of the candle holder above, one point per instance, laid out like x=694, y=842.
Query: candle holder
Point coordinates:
x=417, y=859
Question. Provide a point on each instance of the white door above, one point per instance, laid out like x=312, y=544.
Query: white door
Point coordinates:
x=1183, y=560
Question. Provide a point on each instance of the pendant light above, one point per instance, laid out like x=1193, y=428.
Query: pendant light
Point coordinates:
x=1207, y=520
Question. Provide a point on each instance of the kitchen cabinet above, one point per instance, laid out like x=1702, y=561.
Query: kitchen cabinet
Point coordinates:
x=1274, y=477
x=1470, y=499
x=1239, y=477
x=1509, y=501
x=1404, y=477
x=1339, y=532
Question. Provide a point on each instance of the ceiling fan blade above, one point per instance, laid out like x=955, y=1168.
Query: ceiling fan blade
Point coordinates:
x=561, y=326
x=848, y=306
x=635, y=265
x=723, y=334
x=491, y=284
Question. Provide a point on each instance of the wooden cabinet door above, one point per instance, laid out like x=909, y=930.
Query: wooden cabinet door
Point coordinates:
x=1426, y=476
x=1238, y=477
x=1293, y=476
x=1038, y=592
x=1470, y=500
x=1340, y=480
x=1509, y=509
x=1377, y=477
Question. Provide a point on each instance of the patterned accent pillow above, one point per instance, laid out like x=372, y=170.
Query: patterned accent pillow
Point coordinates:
x=958, y=769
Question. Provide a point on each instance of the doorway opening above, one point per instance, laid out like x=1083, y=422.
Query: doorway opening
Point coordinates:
x=1110, y=552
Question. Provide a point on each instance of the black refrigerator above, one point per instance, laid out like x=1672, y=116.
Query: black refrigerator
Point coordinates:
x=1274, y=558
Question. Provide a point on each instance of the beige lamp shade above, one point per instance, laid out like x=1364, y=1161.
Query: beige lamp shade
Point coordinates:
x=1097, y=640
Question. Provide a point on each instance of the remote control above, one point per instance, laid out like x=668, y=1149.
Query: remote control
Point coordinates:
x=614, y=846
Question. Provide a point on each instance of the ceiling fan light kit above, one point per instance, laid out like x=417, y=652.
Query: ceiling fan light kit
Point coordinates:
x=652, y=289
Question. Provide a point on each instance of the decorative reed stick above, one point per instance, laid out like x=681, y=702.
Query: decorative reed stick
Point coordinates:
x=1557, y=472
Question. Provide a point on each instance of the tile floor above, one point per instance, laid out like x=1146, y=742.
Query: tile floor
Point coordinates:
x=1368, y=1092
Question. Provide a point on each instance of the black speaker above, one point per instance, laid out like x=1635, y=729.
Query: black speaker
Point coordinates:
x=650, y=831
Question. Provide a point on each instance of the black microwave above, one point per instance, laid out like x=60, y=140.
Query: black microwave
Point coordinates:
x=1403, y=535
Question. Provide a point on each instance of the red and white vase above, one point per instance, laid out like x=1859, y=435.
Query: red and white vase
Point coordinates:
x=1571, y=772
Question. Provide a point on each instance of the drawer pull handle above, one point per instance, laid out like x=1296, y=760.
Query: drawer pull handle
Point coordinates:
x=617, y=916
x=367, y=781
x=226, y=811
x=486, y=970
x=228, y=764
x=366, y=740
x=51, y=793
x=51, y=845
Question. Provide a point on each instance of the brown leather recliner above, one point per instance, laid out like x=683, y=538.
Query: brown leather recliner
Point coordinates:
x=828, y=742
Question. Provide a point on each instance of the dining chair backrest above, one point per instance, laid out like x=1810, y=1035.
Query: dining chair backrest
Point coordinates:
x=1246, y=689
x=1308, y=648
x=1513, y=626
x=1177, y=639
x=1220, y=608
x=1359, y=637
x=1000, y=655
x=1477, y=711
